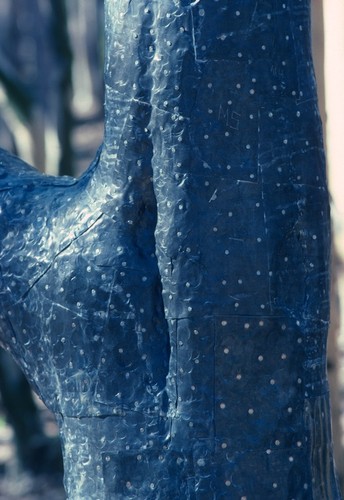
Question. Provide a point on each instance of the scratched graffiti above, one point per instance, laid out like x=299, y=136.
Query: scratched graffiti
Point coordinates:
x=231, y=118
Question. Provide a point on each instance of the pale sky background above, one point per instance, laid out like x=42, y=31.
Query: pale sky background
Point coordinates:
x=334, y=97
x=328, y=45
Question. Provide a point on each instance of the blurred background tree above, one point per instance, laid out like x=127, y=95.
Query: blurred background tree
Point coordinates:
x=50, y=73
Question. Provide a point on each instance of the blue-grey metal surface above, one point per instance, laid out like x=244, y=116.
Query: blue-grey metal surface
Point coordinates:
x=171, y=306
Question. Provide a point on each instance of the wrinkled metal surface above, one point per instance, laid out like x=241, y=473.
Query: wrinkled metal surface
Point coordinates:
x=171, y=306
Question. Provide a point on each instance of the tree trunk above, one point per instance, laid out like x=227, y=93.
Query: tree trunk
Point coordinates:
x=171, y=306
